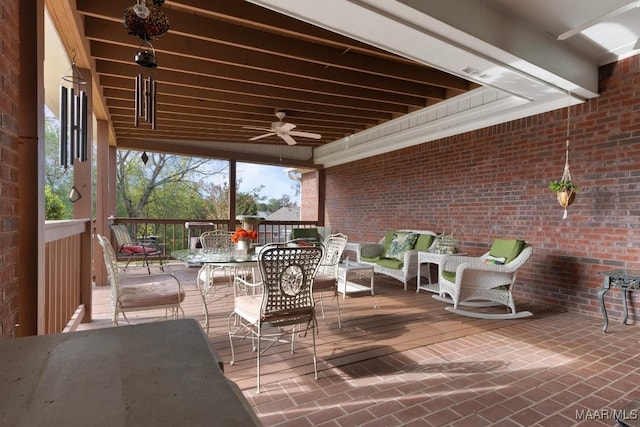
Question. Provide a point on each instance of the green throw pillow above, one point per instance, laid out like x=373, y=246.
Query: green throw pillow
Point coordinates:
x=508, y=249
x=424, y=242
x=388, y=237
x=401, y=243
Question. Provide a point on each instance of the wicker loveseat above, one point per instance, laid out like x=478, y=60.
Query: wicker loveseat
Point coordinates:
x=396, y=254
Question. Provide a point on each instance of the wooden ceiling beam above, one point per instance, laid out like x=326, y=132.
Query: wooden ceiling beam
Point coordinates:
x=254, y=16
x=109, y=40
x=222, y=119
x=216, y=153
x=200, y=27
x=183, y=83
x=239, y=100
x=367, y=87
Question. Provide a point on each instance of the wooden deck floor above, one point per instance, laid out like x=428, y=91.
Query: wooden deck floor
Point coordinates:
x=401, y=359
x=390, y=322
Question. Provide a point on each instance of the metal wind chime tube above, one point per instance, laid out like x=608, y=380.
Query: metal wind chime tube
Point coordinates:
x=145, y=100
x=73, y=120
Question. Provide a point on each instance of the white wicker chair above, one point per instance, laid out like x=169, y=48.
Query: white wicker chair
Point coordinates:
x=159, y=294
x=217, y=241
x=478, y=284
x=286, y=301
x=210, y=276
x=327, y=276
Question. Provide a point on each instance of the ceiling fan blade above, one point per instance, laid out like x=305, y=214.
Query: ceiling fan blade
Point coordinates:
x=287, y=138
x=306, y=134
x=255, y=138
x=287, y=127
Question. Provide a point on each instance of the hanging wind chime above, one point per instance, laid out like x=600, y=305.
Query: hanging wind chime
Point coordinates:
x=565, y=189
x=73, y=117
x=147, y=22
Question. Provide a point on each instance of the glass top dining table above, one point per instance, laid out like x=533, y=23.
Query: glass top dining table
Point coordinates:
x=205, y=256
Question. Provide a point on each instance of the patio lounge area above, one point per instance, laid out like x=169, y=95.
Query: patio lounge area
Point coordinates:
x=401, y=359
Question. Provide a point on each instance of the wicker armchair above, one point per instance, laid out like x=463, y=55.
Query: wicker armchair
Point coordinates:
x=286, y=300
x=482, y=282
x=159, y=294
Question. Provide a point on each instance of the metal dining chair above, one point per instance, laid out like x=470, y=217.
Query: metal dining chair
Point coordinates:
x=286, y=301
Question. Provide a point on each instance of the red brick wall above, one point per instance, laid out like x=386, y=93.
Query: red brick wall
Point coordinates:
x=309, y=197
x=493, y=183
x=9, y=99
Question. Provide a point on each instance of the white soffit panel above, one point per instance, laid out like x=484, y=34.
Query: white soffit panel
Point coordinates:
x=407, y=28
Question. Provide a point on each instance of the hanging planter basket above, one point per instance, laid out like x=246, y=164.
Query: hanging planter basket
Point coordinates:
x=566, y=198
x=565, y=189
x=565, y=193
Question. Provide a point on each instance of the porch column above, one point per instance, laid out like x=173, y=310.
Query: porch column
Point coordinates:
x=105, y=192
x=232, y=194
x=31, y=212
x=83, y=208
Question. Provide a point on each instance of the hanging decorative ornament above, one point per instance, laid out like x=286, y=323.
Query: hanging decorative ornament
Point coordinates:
x=564, y=188
x=73, y=117
x=144, y=157
x=145, y=93
x=145, y=21
x=146, y=56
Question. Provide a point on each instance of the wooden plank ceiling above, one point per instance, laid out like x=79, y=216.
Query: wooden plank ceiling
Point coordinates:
x=225, y=65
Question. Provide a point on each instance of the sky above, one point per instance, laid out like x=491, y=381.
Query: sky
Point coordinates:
x=274, y=178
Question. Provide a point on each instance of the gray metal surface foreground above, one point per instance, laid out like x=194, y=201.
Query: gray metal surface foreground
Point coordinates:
x=156, y=374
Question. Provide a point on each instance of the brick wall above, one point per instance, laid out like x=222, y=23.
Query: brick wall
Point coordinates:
x=9, y=99
x=309, y=197
x=493, y=183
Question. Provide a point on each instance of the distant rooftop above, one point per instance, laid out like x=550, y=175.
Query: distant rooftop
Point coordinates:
x=285, y=214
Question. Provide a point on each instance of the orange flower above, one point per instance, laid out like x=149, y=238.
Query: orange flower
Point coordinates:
x=241, y=233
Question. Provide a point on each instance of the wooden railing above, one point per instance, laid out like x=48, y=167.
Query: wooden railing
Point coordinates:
x=173, y=234
x=64, y=299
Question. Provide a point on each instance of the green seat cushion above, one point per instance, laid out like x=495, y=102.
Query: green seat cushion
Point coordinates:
x=305, y=233
x=399, y=244
x=508, y=249
x=449, y=275
x=369, y=258
x=423, y=242
x=392, y=263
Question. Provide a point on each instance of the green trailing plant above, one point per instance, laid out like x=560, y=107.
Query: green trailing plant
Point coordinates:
x=558, y=186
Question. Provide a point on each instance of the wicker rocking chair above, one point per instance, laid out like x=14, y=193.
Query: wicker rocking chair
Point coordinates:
x=484, y=281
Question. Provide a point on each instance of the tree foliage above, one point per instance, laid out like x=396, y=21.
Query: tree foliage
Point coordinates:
x=57, y=179
x=54, y=207
x=168, y=186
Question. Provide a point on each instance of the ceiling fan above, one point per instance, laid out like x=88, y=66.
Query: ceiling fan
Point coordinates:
x=283, y=130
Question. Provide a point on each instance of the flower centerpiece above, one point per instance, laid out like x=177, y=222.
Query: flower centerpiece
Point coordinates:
x=242, y=239
x=242, y=233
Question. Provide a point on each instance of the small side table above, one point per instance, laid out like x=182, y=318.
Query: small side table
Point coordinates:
x=625, y=280
x=348, y=270
x=427, y=257
x=355, y=247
